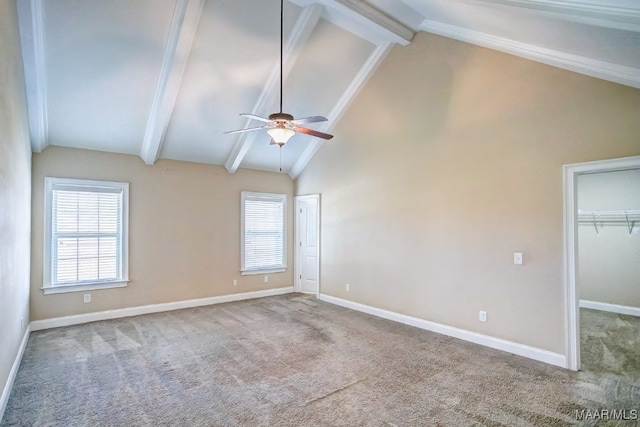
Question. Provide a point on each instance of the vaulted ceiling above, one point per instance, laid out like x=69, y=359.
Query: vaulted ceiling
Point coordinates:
x=166, y=78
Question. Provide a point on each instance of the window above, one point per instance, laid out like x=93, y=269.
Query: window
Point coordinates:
x=85, y=235
x=263, y=233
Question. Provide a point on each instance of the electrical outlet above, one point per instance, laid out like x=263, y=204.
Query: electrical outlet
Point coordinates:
x=482, y=316
x=266, y=279
x=347, y=287
x=517, y=258
x=235, y=282
x=87, y=298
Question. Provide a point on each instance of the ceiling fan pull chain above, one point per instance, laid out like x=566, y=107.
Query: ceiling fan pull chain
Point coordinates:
x=280, y=158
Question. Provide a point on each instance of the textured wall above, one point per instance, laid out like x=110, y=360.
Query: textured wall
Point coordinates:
x=184, y=229
x=609, y=262
x=448, y=162
x=15, y=188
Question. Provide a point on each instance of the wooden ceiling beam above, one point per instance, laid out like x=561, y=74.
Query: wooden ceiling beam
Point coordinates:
x=366, y=71
x=184, y=24
x=31, y=23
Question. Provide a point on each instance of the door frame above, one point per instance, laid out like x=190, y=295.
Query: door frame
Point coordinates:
x=296, y=269
x=570, y=174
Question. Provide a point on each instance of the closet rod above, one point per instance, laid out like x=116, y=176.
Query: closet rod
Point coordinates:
x=628, y=217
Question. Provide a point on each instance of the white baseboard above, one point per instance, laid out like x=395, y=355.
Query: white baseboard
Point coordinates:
x=474, y=337
x=6, y=391
x=613, y=308
x=57, y=322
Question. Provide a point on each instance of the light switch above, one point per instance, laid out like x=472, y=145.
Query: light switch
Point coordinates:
x=517, y=258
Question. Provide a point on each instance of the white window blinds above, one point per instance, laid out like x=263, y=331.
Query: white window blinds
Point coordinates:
x=263, y=240
x=86, y=234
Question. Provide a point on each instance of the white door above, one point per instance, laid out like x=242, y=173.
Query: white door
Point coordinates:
x=308, y=243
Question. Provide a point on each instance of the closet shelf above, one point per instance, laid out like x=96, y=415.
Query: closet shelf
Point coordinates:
x=599, y=218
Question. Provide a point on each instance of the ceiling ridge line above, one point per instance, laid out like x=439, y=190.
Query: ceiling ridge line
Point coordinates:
x=364, y=20
x=617, y=73
x=300, y=34
x=31, y=23
x=184, y=24
x=367, y=70
x=400, y=32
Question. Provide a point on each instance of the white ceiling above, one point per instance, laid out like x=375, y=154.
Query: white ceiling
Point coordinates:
x=166, y=78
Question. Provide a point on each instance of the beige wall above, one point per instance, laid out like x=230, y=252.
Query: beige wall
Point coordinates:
x=184, y=229
x=609, y=262
x=448, y=162
x=15, y=187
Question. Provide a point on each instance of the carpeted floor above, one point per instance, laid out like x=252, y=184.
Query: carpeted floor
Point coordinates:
x=610, y=342
x=293, y=360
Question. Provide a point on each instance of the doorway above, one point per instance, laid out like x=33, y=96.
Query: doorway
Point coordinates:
x=307, y=263
x=608, y=278
x=572, y=310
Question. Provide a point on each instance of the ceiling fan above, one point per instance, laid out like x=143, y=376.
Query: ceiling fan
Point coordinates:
x=282, y=126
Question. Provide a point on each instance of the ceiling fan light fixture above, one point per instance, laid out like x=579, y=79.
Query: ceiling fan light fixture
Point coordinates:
x=280, y=135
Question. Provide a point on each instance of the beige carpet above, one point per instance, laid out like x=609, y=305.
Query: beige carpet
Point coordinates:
x=292, y=360
x=610, y=342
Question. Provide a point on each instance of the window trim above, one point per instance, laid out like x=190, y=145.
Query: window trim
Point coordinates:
x=244, y=195
x=47, y=268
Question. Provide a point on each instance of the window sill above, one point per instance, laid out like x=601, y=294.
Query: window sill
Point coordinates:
x=61, y=289
x=268, y=270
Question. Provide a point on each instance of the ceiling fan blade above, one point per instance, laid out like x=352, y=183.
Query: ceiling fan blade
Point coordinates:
x=313, y=132
x=312, y=119
x=254, y=117
x=247, y=129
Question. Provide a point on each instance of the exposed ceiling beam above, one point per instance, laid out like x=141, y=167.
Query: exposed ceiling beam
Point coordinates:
x=184, y=24
x=366, y=71
x=32, y=39
x=364, y=20
x=304, y=26
x=591, y=67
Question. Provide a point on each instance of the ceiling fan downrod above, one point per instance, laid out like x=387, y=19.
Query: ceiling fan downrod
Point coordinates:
x=281, y=49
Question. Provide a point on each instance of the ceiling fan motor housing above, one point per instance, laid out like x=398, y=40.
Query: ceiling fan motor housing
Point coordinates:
x=281, y=117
